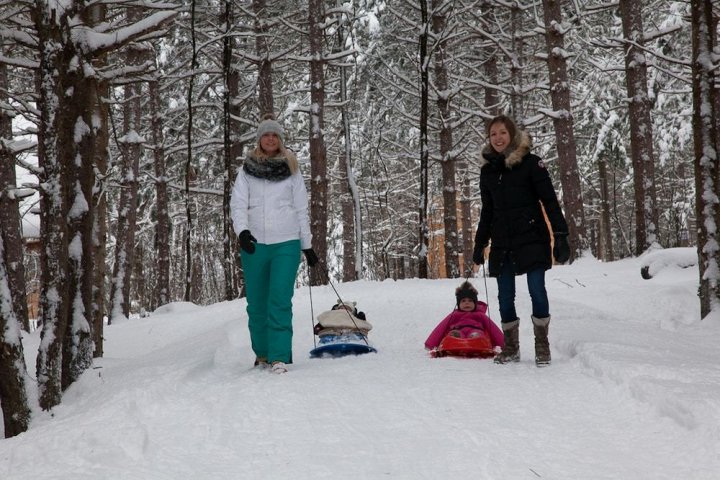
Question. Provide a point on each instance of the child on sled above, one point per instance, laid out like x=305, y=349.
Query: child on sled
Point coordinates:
x=342, y=319
x=468, y=320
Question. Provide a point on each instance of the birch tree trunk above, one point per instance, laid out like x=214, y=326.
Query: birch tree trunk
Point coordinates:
x=707, y=164
x=641, y=136
x=563, y=122
x=447, y=155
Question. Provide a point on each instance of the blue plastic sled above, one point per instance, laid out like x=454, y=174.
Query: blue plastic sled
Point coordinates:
x=341, y=345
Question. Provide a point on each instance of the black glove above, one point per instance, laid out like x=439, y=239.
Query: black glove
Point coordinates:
x=479, y=254
x=311, y=257
x=561, y=250
x=247, y=241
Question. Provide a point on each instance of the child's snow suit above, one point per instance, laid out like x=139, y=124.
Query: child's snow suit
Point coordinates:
x=466, y=323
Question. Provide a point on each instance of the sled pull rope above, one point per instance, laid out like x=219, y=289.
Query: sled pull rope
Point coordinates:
x=312, y=315
x=485, y=282
x=469, y=274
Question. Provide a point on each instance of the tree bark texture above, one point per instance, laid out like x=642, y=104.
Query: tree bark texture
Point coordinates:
x=264, y=81
x=318, y=160
x=447, y=155
x=563, y=122
x=131, y=150
x=641, y=136
x=423, y=233
x=10, y=225
x=13, y=373
x=78, y=341
x=707, y=164
x=53, y=145
x=162, y=215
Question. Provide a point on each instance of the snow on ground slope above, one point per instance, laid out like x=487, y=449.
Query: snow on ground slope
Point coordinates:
x=631, y=394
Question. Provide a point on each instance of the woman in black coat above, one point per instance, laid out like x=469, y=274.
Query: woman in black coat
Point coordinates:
x=515, y=187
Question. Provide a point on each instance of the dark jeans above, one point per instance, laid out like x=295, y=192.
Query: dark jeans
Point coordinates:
x=506, y=292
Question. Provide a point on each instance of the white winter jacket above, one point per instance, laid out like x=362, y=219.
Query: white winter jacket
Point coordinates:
x=273, y=211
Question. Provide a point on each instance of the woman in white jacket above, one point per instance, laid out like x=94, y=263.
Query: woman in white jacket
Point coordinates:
x=269, y=207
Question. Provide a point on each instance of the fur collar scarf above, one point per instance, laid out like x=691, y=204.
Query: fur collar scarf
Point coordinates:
x=513, y=154
x=272, y=168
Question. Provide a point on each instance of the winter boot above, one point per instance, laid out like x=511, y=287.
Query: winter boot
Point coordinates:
x=261, y=362
x=279, y=367
x=542, y=346
x=511, y=350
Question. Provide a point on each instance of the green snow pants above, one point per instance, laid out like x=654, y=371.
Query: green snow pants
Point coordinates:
x=270, y=274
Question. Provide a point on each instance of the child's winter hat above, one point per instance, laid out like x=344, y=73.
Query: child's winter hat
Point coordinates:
x=466, y=290
x=341, y=304
x=270, y=125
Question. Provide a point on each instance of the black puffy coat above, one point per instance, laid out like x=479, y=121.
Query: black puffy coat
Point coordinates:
x=514, y=188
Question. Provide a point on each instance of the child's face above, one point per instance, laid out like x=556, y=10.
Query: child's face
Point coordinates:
x=466, y=305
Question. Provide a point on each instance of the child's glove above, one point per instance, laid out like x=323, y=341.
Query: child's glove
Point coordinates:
x=561, y=250
x=311, y=257
x=247, y=241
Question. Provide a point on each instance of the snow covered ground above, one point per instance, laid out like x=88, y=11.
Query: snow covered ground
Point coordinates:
x=633, y=392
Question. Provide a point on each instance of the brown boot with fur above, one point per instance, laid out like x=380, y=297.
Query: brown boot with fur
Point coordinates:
x=511, y=351
x=542, y=345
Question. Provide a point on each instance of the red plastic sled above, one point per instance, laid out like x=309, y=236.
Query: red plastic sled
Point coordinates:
x=477, y=347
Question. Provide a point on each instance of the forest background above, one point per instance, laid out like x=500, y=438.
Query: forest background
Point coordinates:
x=134, y=117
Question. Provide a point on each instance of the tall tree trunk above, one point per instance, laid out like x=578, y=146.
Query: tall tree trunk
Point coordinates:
x=232, y=150
x=606, y=250
x=641, y=136
x=162, y=214
x=13, y=373
x=190, y=174
x=265, y=86
x=707, y=164
x=318, y=160
x=350, y=203
x=490, y=67
x=466, y=219
x=563, y=122
x=516, y=68
x=131, y=150
x=447, y=155
x=100, y=227
x=53, y=204
x=423, y=229
x=10, y=215
x=78, y=341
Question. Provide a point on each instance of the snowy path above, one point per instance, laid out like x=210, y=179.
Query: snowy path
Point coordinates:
x=631, y=394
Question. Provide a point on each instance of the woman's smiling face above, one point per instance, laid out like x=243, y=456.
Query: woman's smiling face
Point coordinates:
x=270, y=143
x=499, y=137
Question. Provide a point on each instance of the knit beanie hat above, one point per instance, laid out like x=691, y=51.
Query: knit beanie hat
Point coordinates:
x=466, y=290
x=270, y=126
